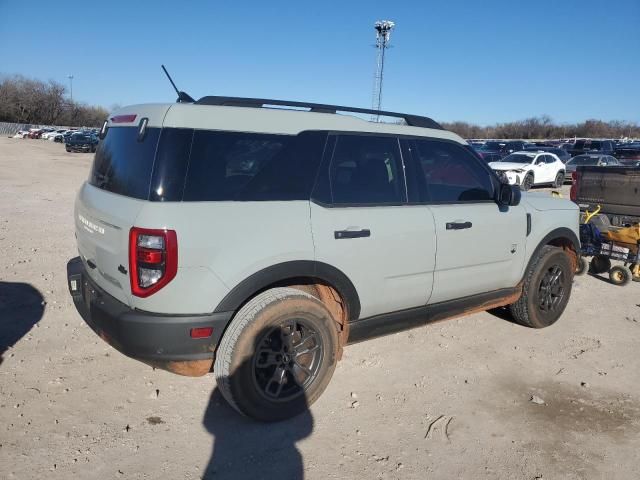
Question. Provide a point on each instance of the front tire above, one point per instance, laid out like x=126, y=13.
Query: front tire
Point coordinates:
x=527, y=182
x=546, y=289
x=277, y=355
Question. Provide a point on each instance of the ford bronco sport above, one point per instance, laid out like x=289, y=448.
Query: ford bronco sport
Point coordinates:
x=226, y=235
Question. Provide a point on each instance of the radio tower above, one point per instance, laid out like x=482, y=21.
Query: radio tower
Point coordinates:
x=383, y=34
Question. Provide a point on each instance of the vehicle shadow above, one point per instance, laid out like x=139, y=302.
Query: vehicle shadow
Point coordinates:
x=21, y=307
x=503, y=313
x=248, y=449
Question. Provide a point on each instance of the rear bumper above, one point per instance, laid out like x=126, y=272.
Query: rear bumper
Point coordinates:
x=162, y=341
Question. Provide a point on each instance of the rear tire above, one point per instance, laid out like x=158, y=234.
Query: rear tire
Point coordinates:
x=620, y=275
x=527, y=182
x=277, y=355
x=546, y=289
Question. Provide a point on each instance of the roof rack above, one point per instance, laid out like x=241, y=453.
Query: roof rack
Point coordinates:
x=411, y=120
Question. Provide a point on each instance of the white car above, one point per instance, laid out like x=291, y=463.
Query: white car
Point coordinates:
x=21, y=134
x=531, y=168
x=52, y=135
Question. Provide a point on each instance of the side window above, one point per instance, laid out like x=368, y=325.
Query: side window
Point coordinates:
x=366, y=170
x=549, y=159
x=222, y=164
x=448, y=173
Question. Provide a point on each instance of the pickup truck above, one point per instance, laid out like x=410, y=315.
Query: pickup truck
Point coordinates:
x=615, y=189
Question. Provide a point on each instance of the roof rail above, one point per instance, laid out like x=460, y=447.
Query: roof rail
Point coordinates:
x=411, y=120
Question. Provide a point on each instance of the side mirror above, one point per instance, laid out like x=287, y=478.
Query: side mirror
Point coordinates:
x=509, y=195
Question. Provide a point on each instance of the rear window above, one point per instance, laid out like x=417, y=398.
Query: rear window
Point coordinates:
x=175, y=164
x=122, y=164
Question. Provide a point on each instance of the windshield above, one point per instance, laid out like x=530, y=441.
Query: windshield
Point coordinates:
x=583, y=160
x=519, y=158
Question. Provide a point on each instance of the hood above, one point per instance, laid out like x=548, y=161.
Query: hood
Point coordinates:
x=509, y=166
x=543, y=201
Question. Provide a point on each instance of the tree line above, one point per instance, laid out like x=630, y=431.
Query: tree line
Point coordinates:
x=544, y=127
x=25, y=100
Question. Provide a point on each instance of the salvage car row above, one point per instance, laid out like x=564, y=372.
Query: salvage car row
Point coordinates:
x=552, y=163
x=75, y=140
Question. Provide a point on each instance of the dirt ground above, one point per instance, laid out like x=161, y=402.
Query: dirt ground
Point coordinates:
x=452, y=400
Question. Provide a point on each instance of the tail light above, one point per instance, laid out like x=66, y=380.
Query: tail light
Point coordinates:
x=575, y=180
x=153, y=259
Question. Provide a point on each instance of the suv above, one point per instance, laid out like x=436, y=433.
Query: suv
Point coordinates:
x=603, y=147
x=531, y=168
x=502, y=149
x=257, y=242
x=81, y=142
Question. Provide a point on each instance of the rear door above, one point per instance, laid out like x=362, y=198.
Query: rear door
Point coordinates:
x=480, y=246
x=362, y=225
x=109, y=202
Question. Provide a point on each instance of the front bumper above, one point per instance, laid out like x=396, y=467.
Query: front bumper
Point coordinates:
x=79, y=148
x=513, y=178
x=162, y=341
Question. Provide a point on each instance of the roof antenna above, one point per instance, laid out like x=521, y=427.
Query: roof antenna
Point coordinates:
x=182, y=97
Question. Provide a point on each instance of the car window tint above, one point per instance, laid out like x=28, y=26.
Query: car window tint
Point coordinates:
x=223, y=163
x=448, y=173
x=366, y=170
x=122, y=164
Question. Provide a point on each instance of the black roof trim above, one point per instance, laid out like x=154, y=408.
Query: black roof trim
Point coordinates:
x=412, y=120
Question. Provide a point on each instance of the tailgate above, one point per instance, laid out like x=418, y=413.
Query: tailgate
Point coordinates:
x=103, y=221
x=616, y=189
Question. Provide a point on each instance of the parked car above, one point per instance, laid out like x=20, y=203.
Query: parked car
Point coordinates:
x=628, y=154
x=172, y=271
x=35, y=132
x=21, y=134
x=52, y=135
x=591, y=159
x=66, y=135
x=82, y=142
x=563, y=155
x=501, y=148
x=605, y=147
x=531, y=168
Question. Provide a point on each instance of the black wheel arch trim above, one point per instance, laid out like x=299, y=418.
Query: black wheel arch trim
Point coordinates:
x=556, y=234
x=285, y=271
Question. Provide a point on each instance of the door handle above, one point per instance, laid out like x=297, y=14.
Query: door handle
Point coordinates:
x=342, y=234
x=91, y=264
x=458, y=225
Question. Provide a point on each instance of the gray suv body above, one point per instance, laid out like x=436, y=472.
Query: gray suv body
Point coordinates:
x=255, y=242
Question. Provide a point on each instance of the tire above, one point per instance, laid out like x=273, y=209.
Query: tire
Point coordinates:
x=583, y=266
x=527, y=182
x=546, y=289
x=559, y=180
x=68, y=149
x=620, y=275
x=599, y=264
x=250, y=366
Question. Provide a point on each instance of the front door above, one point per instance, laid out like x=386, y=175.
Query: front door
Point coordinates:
x=480, y=245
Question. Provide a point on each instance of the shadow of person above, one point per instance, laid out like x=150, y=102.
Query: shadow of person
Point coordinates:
x=247, y=449
x=21, y=307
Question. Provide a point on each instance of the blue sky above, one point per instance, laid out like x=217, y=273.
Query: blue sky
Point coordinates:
x=477, y=61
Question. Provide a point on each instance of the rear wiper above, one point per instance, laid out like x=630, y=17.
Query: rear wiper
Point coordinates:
x=102, y=179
